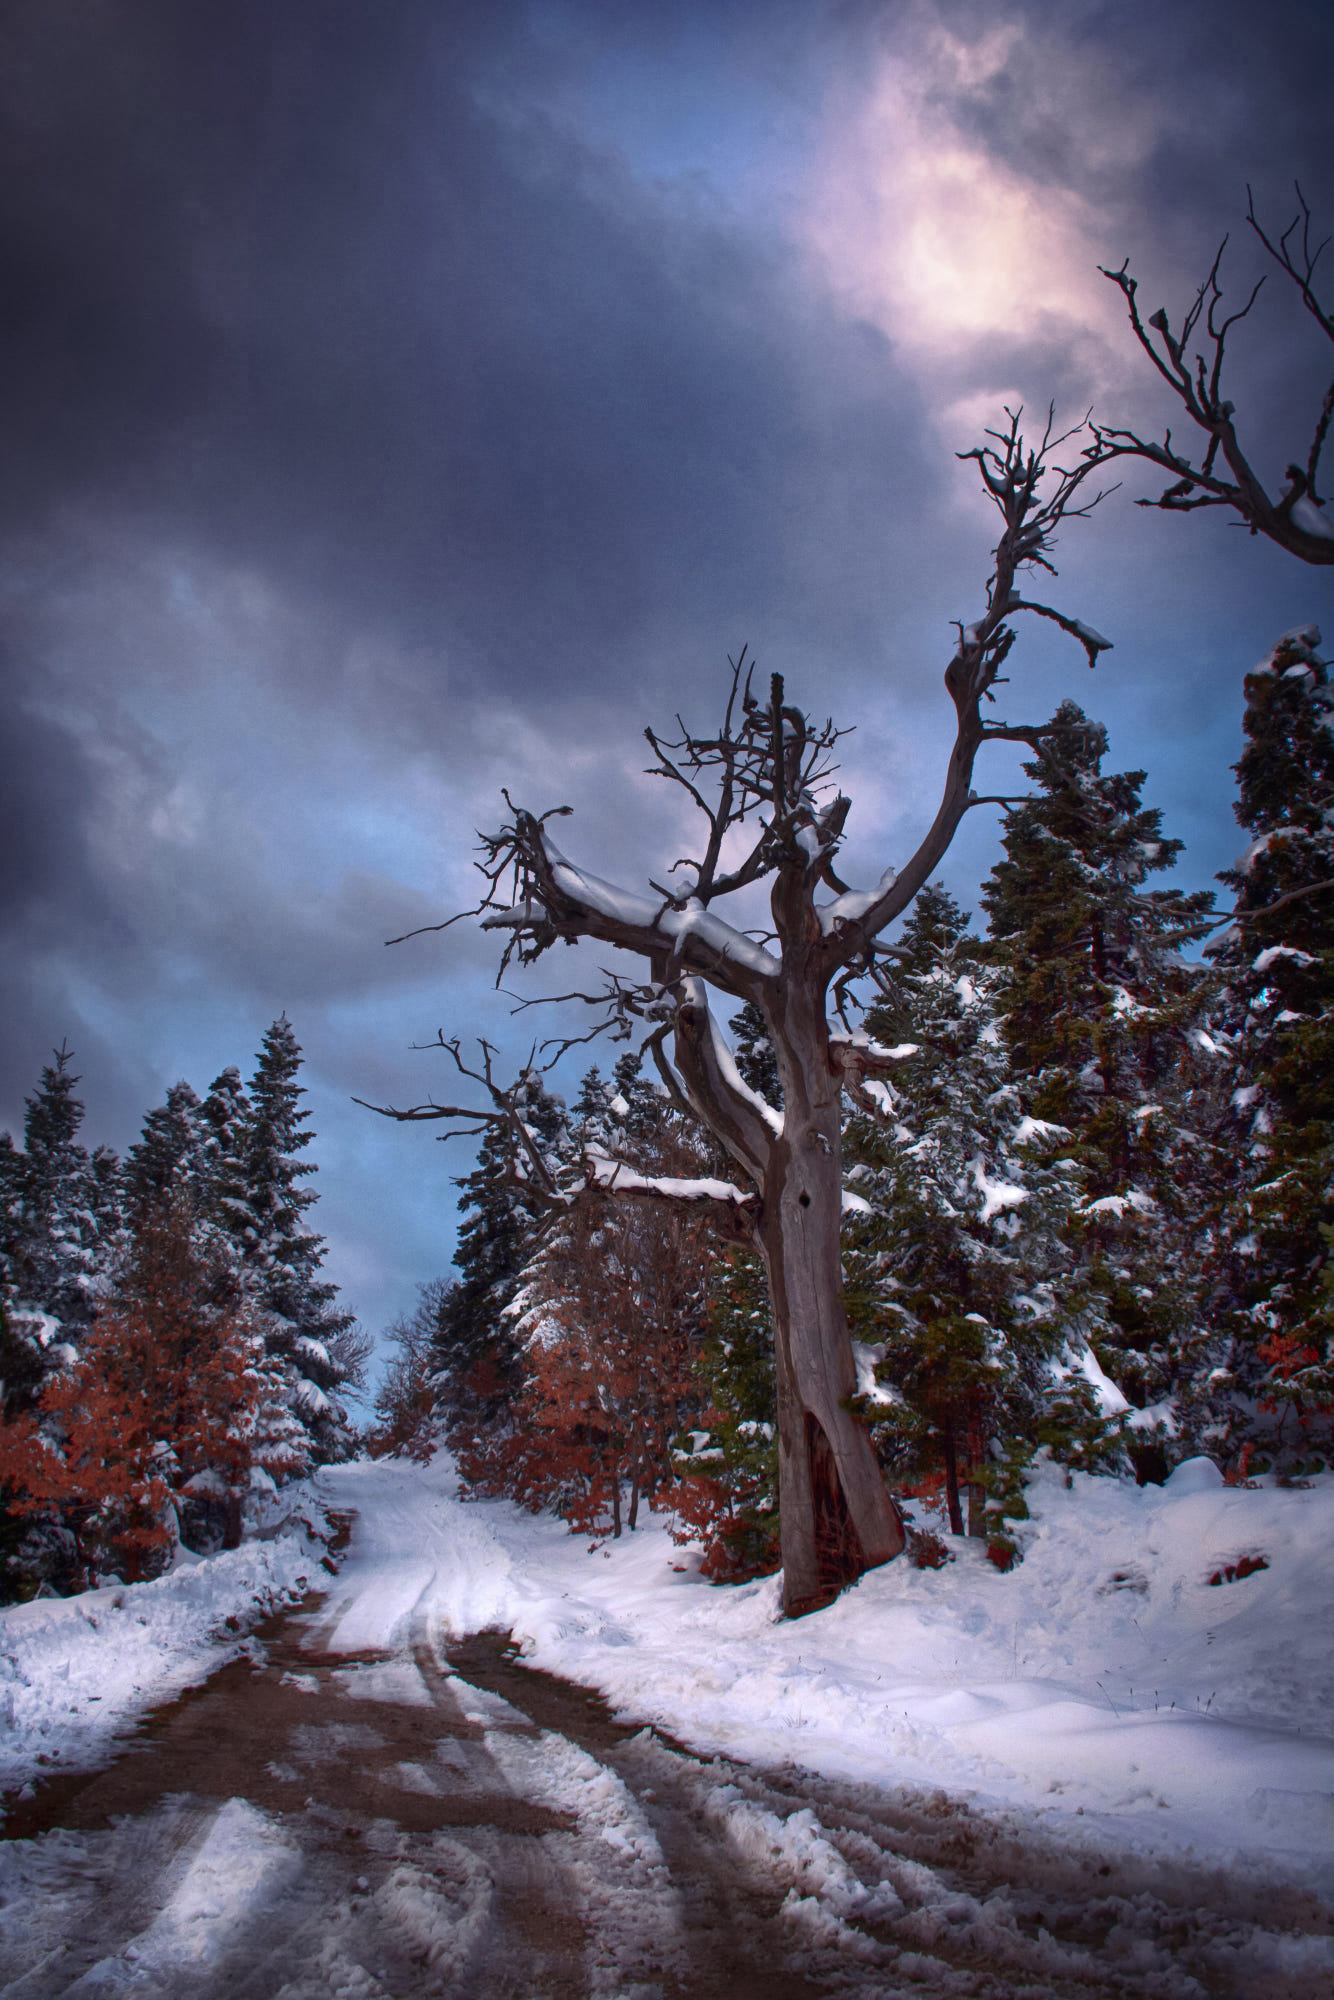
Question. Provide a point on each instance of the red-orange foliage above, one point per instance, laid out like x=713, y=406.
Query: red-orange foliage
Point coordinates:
x=165, y=1391
x=1299, y=1384
x=612, y=1313
x=1286, y=1355
x=719, y=1512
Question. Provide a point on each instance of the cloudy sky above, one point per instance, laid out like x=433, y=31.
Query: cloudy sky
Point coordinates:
x=404, y=401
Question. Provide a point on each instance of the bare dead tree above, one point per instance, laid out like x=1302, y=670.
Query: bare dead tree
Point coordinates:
x=1190, y=360
x=763, y=786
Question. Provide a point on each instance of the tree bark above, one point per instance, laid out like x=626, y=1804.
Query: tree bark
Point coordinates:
x=836, y=1516
x=951, y=1478
x=977, y=1511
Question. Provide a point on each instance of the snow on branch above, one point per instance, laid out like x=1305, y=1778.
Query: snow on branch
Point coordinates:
x=612, y=1176
x=556, y=1187
x=540, y=897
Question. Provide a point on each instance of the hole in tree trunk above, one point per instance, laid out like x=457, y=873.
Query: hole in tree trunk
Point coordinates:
x=839, y=1556
x=804, y=1200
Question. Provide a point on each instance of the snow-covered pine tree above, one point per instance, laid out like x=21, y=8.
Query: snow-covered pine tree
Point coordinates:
x=755, y=1058
x=22, y=1363
x=957, y=1265
x=225, y=1122
x=1104, y=1020
x=166, y=1165
x=184, y=1184
x=1272, y=1396
x=727, y=1465
x=59, y=1228
x=281, y=1257
x=475, y=1356
x=54, y=1254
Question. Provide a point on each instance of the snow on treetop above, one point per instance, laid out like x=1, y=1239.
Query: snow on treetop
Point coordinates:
x=1093, y=639
x=868, y=1046
x=1081, y=1360
x=1306, y=636
x=1117, y=1204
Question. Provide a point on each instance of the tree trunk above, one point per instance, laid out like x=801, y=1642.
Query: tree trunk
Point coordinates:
x=951, y=1478
x=616, y=1502
x=977, y=1511
x=836, y=1516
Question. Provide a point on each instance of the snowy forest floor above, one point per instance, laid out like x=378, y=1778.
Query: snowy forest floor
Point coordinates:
x=919, y=1791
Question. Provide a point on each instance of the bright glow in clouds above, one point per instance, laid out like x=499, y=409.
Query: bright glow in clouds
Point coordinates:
x=930, y=235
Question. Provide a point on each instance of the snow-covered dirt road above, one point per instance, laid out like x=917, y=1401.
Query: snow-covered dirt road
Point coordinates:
x=369, y=1802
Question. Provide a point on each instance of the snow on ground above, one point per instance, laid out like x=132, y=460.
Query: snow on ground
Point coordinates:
x=1105, y=1680
x=76, y=1671
x=1105, y=1687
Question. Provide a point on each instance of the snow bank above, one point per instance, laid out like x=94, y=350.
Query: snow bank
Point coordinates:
x=1108, y=1687
x=1105, y=1681
x=76, y=1671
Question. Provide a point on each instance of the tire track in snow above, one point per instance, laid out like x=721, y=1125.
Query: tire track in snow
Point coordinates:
x=840, y=1887
x=329, y=1820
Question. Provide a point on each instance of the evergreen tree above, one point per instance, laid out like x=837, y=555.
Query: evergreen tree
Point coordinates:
x=476, y=1356
x=1104, y=1020
x=727, y=1468
x=755, y=1056
x=166, y=1165
x=22, y=1365
x=280, y=1256
x=107, y=1204
x=1272, y=1393
x=56, y=1207
x=958, y=1266
x=54, y=1253
x=225, y=1122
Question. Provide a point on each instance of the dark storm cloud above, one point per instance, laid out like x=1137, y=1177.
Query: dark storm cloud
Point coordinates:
x=1227, y=93
x=383, y=421
x=285, y=282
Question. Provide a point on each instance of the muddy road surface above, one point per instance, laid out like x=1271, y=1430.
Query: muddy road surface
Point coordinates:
x=394, y=1820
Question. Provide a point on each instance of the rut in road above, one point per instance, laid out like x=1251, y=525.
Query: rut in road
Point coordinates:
x=310, y=1824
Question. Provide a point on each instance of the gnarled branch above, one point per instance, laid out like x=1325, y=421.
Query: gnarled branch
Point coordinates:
x=1223, y=476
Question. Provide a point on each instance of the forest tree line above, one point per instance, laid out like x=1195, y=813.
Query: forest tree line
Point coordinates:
x=1088, y=1212
x=170, y=1353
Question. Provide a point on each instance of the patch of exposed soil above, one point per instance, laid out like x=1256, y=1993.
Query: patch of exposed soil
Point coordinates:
x=308, y=1824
